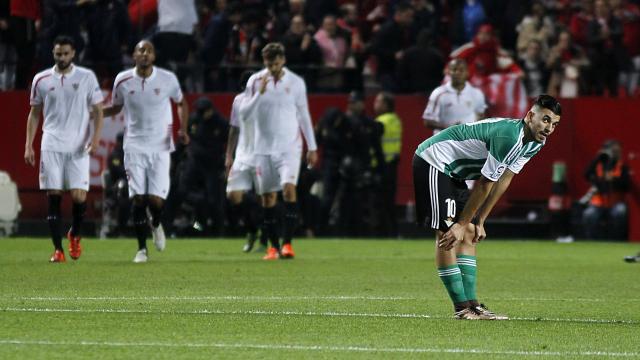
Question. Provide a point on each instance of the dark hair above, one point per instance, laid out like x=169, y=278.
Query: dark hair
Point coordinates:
x=389, y=100
x=64, y=40
x=549, y=102
x=272, y=50
x=244, y=78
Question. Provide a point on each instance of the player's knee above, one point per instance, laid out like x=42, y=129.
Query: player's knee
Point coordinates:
x=78, y=196
x=235, y=197
x=289, y=192
x=269, y=200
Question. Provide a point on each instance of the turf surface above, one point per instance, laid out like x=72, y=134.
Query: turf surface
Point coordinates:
x=338, y=299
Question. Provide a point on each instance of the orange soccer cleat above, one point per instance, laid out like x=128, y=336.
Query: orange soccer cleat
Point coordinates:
x=74, y=246
x=57, y=257
x=287, y=252
x=272, y=254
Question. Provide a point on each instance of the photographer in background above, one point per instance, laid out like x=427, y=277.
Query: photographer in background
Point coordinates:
x=606, y=214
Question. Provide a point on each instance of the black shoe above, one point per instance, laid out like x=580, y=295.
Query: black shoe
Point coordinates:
x=632, y=258
x=251, y=240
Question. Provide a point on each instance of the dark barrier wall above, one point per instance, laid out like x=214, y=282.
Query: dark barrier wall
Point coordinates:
x=585, y=124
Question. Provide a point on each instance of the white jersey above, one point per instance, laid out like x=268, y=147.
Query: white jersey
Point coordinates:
x=147, y=109
x=449, y=107
x=280, y=114
x=66, y=99
x=246, y=137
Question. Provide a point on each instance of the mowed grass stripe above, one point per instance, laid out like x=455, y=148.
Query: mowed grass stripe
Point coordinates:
x=320, y=348
x=294, y=313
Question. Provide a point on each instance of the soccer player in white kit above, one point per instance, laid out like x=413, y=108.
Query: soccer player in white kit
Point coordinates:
x=277, y=98
x=455, y=102
x=68, y=94
x=146, y=92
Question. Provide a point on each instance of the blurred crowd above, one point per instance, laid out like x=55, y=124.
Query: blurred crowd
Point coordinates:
x=562, y=47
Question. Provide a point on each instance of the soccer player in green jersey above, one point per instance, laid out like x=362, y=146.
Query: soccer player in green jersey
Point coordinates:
x=491, y=151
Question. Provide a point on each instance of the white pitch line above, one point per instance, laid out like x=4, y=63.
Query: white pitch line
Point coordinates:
x=284, y=298
x=298, y=313
x=321, y=348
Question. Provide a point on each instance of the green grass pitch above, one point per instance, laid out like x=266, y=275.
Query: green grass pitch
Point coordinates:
x=358, y=299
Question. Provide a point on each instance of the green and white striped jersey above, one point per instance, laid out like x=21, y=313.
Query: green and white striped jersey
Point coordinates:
x=486, y=147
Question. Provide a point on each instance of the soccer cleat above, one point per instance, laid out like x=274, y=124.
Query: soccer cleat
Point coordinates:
x=287, y=252
x=251, y=240
x=57, y=257
x=159, y=240
x=484, y=311
x=632, y=258
x=466, y=314
x=272, y=254
x=75, y=250
x=141, y=256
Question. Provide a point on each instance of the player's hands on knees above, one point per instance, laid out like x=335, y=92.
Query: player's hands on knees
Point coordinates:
x=452, y=238
x=29, y=156
x=480, y=233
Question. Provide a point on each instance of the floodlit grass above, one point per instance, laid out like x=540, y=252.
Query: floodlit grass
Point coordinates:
x=337, y=299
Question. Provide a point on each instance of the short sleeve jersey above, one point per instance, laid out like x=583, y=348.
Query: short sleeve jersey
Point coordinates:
x=147, y=109
x=487, y=148
x=66, y=100
x=244, y=149
x=449, y=107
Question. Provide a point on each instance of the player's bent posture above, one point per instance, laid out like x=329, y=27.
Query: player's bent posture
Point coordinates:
x=277, y=98
x=146, y=92
x=240, y=165
x=489, y=151
x=68, y=94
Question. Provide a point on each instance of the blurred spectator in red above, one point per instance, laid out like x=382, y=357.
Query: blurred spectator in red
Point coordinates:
x=420, y=69
x=605, y=49
x=537, y=25
x=580, y=20
x=390, y=42
x=629, y=13
x=485, y=56
x=568, y=64
x=536, y=74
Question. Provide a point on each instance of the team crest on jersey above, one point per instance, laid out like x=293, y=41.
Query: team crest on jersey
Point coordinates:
x=132, y=92
x=52, y=88
x=157, y=91
x=286, y=89
x=75, y=86
x=468, y=103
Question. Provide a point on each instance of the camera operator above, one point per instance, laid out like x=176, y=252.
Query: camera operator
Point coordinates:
x=610, y=180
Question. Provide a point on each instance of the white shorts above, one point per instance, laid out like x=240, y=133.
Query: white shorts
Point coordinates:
x=64, y=171
x=242, y=177
x=148, y=173
x=273, y=171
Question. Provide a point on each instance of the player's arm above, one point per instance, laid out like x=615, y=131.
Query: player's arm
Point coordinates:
x=481, y=190
x=232, y=143
x=32, y=126
x=183, y=116
x=111, y=110
x=496, y=192
x=304, y=120
x=98, y=118
x=255, y=87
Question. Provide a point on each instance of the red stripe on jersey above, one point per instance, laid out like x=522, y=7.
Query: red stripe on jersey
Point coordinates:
x=35, y=86
x=120, y=82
